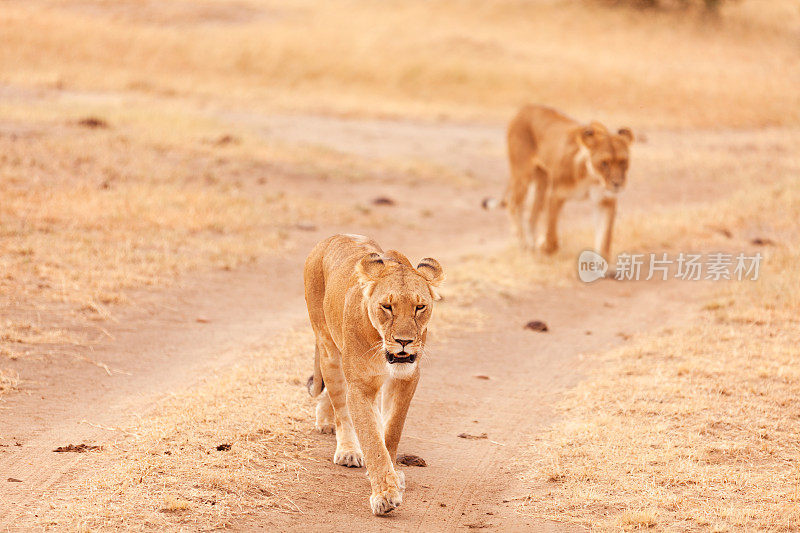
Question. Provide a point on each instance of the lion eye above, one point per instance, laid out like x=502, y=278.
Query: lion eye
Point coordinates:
x=604, y=164
x=388, y=307
x=421, y=307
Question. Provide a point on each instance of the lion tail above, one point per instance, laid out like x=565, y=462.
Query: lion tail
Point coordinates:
x=315, y=384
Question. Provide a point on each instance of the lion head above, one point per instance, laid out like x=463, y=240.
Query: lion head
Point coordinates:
x=606, y=154
x=399, y=300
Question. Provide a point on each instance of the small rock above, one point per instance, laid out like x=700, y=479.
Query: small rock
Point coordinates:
x=305, y=226
x=482, y=376
x=202, y=320
x=411, y=460
x=223, y=447
x=762, y=241
x=536, y=325
x=383, y=200
x=226, y=139
x=92, y=122
x=14, y=480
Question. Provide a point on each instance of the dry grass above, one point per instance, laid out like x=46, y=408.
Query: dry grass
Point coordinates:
x=87, y=215
x=461, y=59
x=9, y=381
x=697, y=424
x=168, y=475
x=711, y=189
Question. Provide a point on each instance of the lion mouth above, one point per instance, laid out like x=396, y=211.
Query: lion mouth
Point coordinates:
x=400, y=357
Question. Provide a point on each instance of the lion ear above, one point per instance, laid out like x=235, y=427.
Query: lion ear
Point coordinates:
x=626, y=134
x=431, y=270
x=368, y=271
x=588, y=136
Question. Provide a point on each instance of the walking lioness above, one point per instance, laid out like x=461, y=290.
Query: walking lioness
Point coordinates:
x=559, y=159
x=370, y=311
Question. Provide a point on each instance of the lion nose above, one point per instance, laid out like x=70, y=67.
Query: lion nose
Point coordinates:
x=403, y=342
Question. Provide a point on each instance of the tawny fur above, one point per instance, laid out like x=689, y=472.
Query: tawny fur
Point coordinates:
x=361, y=303
x=557, y=158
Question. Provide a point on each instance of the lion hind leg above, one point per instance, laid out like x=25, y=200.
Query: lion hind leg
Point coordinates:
x=515, y=198
x=538, y=187
x=325, y=419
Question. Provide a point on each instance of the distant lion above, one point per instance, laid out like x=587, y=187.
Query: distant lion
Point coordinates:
x=369, y=310
x=560, y=159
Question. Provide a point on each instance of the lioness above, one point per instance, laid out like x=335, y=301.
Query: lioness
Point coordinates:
x=560, y=159
x=370, y=312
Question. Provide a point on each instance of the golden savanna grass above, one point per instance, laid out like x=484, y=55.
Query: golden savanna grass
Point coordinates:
x=419, y=58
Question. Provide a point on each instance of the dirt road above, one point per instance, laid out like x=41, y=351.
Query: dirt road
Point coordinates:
x=159, y=347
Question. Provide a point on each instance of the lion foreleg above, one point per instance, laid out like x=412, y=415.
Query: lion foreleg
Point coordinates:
x=539, y=186
x=387, y=491
x=397, y=395
x=549, y=243
x=397, y=399
x=605, y=212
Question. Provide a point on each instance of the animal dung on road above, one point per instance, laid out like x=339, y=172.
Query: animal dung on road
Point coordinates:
x=473, y=437
x=536, y=325
x=411, y=460
x=77, y=448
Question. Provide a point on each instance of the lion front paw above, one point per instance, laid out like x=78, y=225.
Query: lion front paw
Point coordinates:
x=385, y=501
x=401, y=479
x=348, y=457
x=325, y=428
